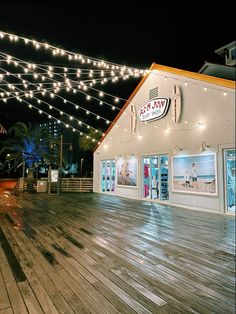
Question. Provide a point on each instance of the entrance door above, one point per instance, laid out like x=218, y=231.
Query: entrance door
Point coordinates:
x=230, y=177
x=108, y=175
x=155, y=177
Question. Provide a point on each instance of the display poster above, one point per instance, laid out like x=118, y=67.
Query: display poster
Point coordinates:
x=127, y=170
x=194, y=174
x=54, y=175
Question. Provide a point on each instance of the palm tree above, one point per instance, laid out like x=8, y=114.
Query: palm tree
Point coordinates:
x=30, y=145
x=86, y=143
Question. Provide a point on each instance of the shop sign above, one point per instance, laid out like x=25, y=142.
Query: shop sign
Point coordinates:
x=154, y=109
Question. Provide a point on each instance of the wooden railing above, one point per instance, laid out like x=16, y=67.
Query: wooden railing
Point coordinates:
x=67, y=185
x=24, y=184
x=77, y=184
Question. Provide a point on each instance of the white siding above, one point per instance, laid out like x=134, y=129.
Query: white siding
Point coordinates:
x=210, y=107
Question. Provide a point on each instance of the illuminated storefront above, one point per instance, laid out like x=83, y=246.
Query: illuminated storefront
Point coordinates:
x=173, y=142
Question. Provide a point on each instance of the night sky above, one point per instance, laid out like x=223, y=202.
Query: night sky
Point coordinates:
x=180, y=34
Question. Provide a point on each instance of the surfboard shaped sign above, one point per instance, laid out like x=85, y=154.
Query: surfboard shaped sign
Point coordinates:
x=155, y=109
x=177, y=104
x=133, y=119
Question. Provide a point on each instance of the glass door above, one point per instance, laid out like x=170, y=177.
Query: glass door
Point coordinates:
x=108, y=175
x=164, y=186
x=146, y=178
x=103, y=185
x=113, y=175
x=230, y=178
x=155, y=177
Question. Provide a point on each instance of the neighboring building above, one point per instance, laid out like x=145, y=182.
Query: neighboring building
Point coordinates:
x=173, y=142
x=218, y=70
x=229, y=53
x=54, y=128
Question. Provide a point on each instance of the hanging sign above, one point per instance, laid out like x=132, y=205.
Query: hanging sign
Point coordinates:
x=154, y=109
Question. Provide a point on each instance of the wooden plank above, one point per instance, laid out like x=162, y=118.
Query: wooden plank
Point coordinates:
x=109, y=284
x=6, y=311
x=79, y=279
x=31, y=302
x=39, y=291
x=4, y=300
x=46, y=274
x=76, y=304
x=14, y=294
x=2, y=255
x=128, y=252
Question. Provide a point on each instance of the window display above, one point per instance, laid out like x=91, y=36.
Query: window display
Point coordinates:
x=230, y=178
x=194, y=174
x=155, y=177
x=108, y=175
x=127, y=170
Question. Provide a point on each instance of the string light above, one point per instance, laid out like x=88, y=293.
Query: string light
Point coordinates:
x=85, y=87
x=63, y=113
x=50, y=72
x=52, y=96
x=40, y=111
x=70, y=55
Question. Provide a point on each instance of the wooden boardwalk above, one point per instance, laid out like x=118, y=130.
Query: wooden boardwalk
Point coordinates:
x=92, y=253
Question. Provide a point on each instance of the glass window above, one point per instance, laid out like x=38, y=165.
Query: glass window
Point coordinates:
x=155, y=177
x=164, y=190
x=230, y=178
x=103, y=176
x=108, y=175
x=146, y=178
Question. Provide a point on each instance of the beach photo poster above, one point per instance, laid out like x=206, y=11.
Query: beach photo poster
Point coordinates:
x=127, y=170
x=195, y=174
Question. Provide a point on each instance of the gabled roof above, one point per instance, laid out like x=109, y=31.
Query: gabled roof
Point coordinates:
x=218, y=70
x=188, y=74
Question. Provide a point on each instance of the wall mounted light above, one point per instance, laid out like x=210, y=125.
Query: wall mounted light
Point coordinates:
x=204, y=146
x=177, y=149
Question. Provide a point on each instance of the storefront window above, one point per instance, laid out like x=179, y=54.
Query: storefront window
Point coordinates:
x=230, y=178
x=103, y=176
x=155, y=177
x=146, y=178
x=108, y=175
x=164, y=189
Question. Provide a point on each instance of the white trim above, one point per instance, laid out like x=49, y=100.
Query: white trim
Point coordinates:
x=212, y=211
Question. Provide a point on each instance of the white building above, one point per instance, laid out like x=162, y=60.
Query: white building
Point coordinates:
x=176, y=125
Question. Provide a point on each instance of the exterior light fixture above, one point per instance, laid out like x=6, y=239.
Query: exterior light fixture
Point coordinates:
x=204, y=146
x=177, y=148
